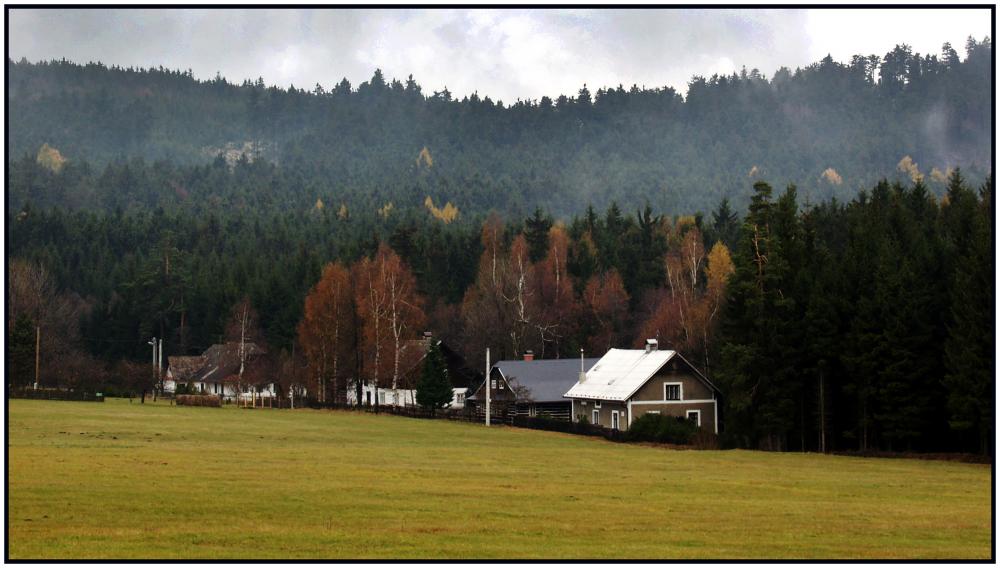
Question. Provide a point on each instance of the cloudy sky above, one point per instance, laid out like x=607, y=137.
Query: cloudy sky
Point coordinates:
x=506, y=54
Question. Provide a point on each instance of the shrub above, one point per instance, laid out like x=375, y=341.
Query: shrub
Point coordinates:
x=198, y=400
x=661, y=428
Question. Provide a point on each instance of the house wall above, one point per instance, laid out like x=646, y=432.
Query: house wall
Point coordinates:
x=586, y=409
x=502, y=393
x=695, y=395
x=707, y=410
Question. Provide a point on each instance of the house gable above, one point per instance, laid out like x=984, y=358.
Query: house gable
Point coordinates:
x=675, y=371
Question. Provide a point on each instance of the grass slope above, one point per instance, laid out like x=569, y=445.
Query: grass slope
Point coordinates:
x=120, y=480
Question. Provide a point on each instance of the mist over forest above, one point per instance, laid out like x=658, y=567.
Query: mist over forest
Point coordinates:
x=818, y=242
x=830, y=128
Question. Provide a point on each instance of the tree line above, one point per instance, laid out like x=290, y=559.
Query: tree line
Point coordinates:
x=844, y=325
x=832, y=127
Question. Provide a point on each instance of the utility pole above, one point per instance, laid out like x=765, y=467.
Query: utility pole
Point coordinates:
x=487, y=385
x=159, y=369
x=38, y=345
x=153, y=343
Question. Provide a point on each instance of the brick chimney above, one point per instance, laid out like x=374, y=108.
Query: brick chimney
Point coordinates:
x=529, y=355
x=651, y=345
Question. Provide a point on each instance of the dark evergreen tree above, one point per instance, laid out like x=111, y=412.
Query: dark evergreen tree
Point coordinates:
x=21, y=352
x=434, y=388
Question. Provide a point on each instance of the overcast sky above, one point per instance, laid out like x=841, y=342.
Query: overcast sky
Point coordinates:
x=506, y=54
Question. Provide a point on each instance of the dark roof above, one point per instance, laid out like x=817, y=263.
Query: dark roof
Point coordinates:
x=545, y=380
x=413, y=352
x=183, y=367
x=222, y=360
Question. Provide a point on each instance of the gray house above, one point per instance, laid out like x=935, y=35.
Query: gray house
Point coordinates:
x=530, y=387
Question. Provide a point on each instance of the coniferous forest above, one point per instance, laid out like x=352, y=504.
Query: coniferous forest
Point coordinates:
x=819, y=243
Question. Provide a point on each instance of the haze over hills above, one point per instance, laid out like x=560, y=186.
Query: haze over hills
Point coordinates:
x=853, y=310
x=830, y=128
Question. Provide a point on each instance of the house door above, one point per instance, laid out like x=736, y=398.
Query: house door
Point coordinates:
x=614, y=419
x=369, y=394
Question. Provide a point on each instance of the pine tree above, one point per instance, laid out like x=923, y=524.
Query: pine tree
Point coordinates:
x=21, y=352
x=536, y=231
x=970, y=379
x=433, y=387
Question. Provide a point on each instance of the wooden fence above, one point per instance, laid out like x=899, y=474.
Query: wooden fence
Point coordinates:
x=55, y=394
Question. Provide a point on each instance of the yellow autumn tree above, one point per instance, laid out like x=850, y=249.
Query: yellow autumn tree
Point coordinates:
x=343, y=213
x=425, y=158
x=385, y=210
x=446, y=214
x=910, y=168
x=939, y=176
x=50, y=158
x=832, y=176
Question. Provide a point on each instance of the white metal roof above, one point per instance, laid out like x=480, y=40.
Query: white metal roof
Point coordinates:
x=619, y=374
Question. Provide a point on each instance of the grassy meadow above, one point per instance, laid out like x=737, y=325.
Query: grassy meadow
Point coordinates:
x=121, y=480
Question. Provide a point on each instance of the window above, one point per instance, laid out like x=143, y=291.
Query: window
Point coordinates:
x=694, y=416
x=493, y=384
x=596, y=417
x=672, y=391
x=460, y=398
x=381, y=398
x=500, y=384
x=597, y=404
x=614, y=419
x=652, y=412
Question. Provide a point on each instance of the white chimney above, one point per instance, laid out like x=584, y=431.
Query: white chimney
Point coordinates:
x=651, y=345
x=583, y=374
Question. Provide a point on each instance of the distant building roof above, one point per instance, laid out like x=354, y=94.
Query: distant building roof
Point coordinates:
x=621, y=372
x=182, y=368
x=541, y=380
x=218, y=362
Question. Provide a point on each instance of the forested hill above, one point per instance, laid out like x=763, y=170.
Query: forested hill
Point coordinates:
x=830, y=128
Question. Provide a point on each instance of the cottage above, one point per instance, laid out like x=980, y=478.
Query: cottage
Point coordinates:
x=530, y=387
x=412, y=354
x=212, y=372
x=628, y=383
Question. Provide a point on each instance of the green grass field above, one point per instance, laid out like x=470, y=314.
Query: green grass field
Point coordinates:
x=120, y=480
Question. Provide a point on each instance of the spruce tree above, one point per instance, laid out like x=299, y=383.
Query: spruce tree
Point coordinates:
x=969, y=348
x=21, y=352
x=434, y=387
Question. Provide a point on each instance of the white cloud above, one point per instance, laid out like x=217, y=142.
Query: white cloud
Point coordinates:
x=843, y=33
x=505, y=54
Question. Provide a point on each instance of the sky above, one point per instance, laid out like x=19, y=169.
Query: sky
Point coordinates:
x=505, y=54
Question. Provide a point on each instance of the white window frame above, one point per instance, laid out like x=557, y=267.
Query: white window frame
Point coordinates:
x=493, y=384
x=652, y=412
x=615, y=420
x=697, y=413
x=680, y=391
x=596, y=417
x=597, y=404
